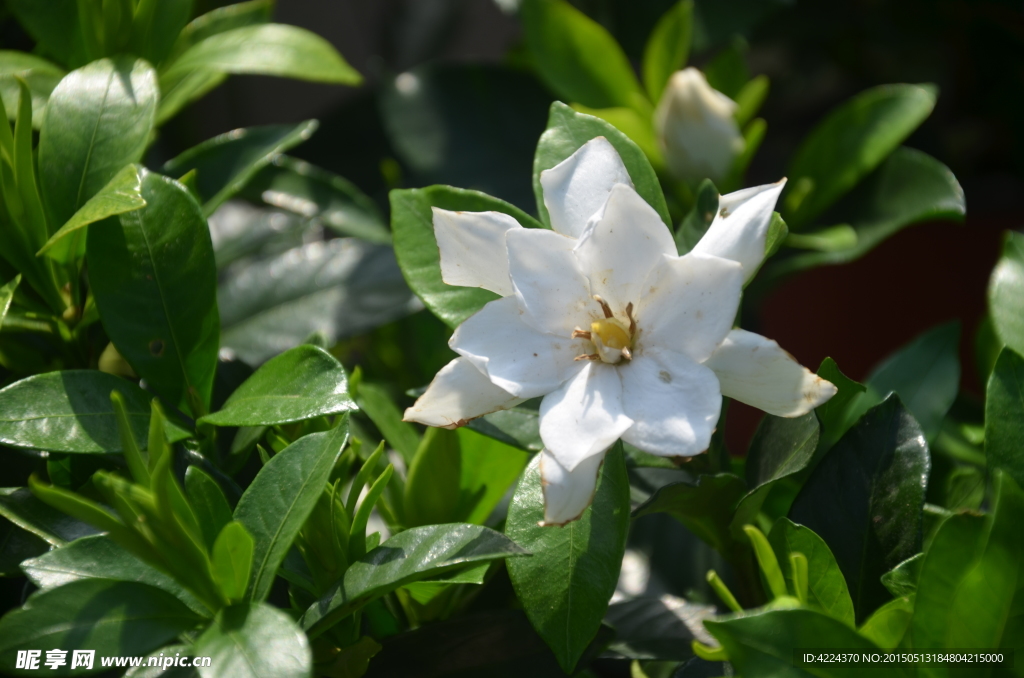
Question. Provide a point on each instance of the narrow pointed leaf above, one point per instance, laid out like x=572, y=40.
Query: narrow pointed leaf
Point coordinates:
x=667, y=48
x=207, y=499
x=826, y=588
x=22, y=508
x=7, y=296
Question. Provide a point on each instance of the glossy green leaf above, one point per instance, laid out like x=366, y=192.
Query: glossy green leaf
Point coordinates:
x=761, y=645
x=21, y=507
x=577, y=57
x=110, y=617
x=826, y=588
x=432, y=486
x=267, y=49
x=70, y=411
x=865, y=499
x=277, y=503
x=98, y=557
x=565, y=585
x=489, y=468
x=925, y=374
x=254, y=640
x=568, y=130
x=16, y=547
x=6, y=297
x=851, y=142
x=122, y=194
x=1004, y=415
x=639, y=127
x=40, y=75
x=668, y=47
x=1006, y=293
x=339, y=288
x=420, y=553
x=902, y=579
x=156, y=25
x=833, y=415
x=226, y=163
x=231, y=560
x=154, y=280
x=209, y=503
x=98, y=120
x=317, y=194
x=221, y=19
x=706, y=508
x=908, y=187
x=301, y=383
x=412, y=224
x=889, y=623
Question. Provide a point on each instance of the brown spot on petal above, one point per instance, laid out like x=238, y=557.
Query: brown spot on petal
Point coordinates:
x=665, y=376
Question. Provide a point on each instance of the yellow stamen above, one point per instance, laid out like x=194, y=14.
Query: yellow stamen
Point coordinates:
x=612, y=332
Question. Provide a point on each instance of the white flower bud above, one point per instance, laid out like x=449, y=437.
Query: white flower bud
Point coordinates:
x=696, y=128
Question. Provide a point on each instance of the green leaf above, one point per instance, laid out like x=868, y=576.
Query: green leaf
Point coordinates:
x=697, y=221
x=6, y=297
x=223, y=19
x=865, y=499
x=565, y=585
x=849, y=143
x=267, y=49
x=209, y=503
x=376, y=404
x=826, y=586
x=226, y=163
x=489, y=467
x=728, y=72
x=517, y=427
x=432, y=488
x=909, y=187
x=834, y=414
x=122, y=194
x=667, y=48
x=70, y=411
x=98, y=120
x=639, y=127
x=184, y=90
x=110, y=617
x=412, y=224
x=577, y=58
x=902, y=579
x=750, y=98
x=660, y=627
x=22, y=508
x=40, y=75
x=231, y=560
x=254, y=640
x=317, y=194
x=925, y=374
x=1004, y=415
x=156, y=25
x=17, y=546
x=98, y=557
x=284, y=492
x=889, y=623
x=54, y=25
x=568, y=130
x=301, y=383
x=762, y=644
x=1006, y=293
x=154, y=280
x=706, y=508
x=416, y=554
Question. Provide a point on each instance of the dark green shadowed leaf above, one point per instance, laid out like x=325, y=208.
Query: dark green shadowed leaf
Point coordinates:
x=660, y=627
x=110, y=617
x=98, y=120
x=568, y=130
x=706, y=508
x=98, y=557
x=209, y=503
x=518, y=427
x=70, y=411
x=826, y=588
x=668, y=47
x=16, y=547
x=833, y=415
x=1006, y=293
x=22, y=508
x=696, y=223
x=226, y=163
x=412, y=224
x=375, y=403
x=302, y=383
x=902, y=579
x=54, y=25
x=416, y=554
x=432, y=487
x=865, y=499
x=849, y=144
x=254, y=640
x=1004, y=415
x=577, y=57
x=277, y=503
x=156, y=25
x=566, y=584
x=154, y=280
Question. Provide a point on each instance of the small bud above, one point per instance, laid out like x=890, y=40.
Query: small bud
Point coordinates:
x=696, y=128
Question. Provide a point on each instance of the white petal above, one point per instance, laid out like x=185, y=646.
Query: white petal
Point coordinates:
x=583, y=417
x=458, y=393
x=673, y=401
x=548, y=281
x=518, y=358
x=472, y=246
x=576, y=188
x=755, y=371
x=740, y=229
x=689, y=304
x=618, y=250
x=567, y=494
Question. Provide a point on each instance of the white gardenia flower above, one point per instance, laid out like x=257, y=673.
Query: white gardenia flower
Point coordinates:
x=622, y=337
x=696, y=128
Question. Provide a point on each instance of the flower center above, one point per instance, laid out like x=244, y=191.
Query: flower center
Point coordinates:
x=612, y=332
x=612, y=338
